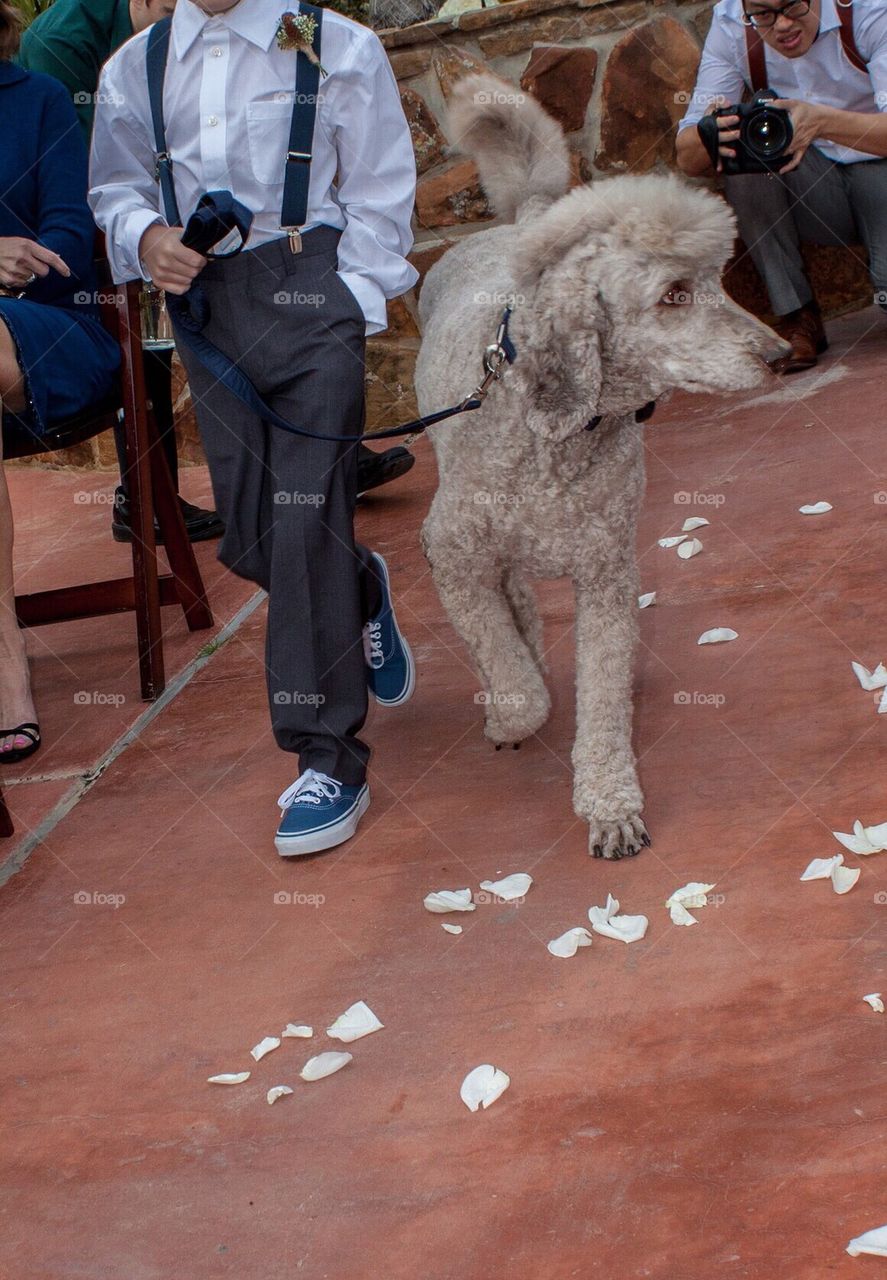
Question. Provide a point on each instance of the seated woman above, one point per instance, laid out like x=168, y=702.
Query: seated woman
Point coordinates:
x=55, y=357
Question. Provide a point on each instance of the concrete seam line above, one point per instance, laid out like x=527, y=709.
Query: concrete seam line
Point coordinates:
x=86, y=781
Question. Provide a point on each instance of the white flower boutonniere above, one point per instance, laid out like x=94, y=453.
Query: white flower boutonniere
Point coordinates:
x=296, y=31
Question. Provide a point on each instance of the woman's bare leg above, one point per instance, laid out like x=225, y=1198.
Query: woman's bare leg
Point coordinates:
x=16, y=704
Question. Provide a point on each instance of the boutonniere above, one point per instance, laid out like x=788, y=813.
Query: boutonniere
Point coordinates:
x=296, y=31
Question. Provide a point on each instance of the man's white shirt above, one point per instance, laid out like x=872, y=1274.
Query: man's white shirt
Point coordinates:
x=228, y=104
x=822, y=75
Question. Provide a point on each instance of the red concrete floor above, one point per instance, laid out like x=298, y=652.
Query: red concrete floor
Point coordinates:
x=707, y=1102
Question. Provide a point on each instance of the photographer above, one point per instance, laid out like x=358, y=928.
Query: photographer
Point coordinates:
x=827, y=65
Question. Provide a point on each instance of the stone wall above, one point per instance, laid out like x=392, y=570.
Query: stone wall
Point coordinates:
x=615, y=74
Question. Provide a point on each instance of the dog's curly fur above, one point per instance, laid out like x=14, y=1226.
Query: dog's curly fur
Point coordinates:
x=525, y=490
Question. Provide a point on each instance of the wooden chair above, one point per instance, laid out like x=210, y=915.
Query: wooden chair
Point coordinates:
x=151, y=491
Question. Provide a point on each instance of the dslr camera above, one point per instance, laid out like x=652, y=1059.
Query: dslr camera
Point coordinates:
x=765, y=135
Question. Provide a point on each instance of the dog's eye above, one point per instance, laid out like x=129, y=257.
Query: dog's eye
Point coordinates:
x=677, y=295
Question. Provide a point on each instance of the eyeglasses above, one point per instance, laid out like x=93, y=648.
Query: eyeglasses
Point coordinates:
x=766, y=18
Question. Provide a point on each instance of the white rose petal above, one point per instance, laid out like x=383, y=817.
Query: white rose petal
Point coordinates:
x=449, y=900
x=821, y=868
x=229, y=1078
x=451, y=928
x=876, y=836
x=279, y=1091
x=875, y=1001
x=864, y=840
x=354, y=1023
x=870, y=680
x=646, y=600
x=569, y=943
x=672, y=542
x=511, y=887
x=607, y=922
x=323, y=1065
x=297, y=1031
x=874, y=1242
x=693, y=522
x=695, y=895
x=815, y=509
x=689, y=549
x=882, y=705
x=264, y=1046
x=843, y=878
x=718, y=635
x=482, y=1086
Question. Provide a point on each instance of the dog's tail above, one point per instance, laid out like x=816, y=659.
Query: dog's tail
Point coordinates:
x=520, y=151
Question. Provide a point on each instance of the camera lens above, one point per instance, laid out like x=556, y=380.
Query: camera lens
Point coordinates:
x=767, y=134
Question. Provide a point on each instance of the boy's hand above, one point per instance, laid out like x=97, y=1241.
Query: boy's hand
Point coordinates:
x=21, y=260
x=170, y=265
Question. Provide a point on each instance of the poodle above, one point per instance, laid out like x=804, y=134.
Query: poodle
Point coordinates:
x=617, y=299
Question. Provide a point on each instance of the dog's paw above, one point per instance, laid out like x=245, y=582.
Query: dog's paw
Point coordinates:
x=509, y=719
x=617, y=839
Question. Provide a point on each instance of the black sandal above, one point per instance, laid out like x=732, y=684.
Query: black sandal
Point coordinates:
x=17, y=754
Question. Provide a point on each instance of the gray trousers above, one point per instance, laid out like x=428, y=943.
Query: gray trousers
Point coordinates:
x=820, y=202
x=297, y=332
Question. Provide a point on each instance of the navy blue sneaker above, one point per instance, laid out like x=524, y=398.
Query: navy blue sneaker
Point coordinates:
x=391, y=671
x=318, y=813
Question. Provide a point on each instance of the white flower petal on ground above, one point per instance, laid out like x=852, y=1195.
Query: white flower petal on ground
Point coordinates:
x=569, y=943
x=482, y=1086
x=451, y=928
x=296, y=1030
x=821, y=868
x=324, y=1064
x=354, y=1023
x=876, y=835
x=672, y=542
x=718, y=635
x=882, y=705
x=875, y=1001
x=607, y=922
x=279, y=1091
x=449, y=900
x=695, y=895
x=870, y=680
x=264, y=1046
x=874, y=1242
x=861, y=841
x=694, y=522
x=844, y=878
x=689, y=549
x=511, y=887
x=815, y=508
x=646, y=600
x=232, y=1077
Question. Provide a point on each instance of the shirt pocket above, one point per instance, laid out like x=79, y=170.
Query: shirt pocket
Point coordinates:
x=268, y=131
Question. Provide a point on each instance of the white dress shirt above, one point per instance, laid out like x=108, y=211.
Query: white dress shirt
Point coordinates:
x=227, y=105
x=822, y=75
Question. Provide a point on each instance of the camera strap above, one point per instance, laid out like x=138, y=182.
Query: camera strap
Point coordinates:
x=757, y=58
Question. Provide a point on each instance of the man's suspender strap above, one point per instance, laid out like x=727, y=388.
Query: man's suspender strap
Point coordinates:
x=297, y=169
x=757, y=64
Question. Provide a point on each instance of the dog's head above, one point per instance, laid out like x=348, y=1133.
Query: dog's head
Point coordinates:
x=623, y=302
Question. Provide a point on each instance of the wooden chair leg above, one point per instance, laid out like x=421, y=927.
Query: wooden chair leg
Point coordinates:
x=6, y=826
x=138, y=479
x=179, y=551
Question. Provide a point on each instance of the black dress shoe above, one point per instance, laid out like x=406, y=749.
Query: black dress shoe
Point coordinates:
x=200, y=525
x=375, y=469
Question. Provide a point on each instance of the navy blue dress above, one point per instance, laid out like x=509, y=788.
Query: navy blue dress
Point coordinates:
x=68, y=359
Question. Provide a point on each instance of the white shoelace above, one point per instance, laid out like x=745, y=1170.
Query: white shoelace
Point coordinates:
x=372, y=646
x=311, y=788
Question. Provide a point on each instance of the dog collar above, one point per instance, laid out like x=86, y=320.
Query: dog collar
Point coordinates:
x=641, y=415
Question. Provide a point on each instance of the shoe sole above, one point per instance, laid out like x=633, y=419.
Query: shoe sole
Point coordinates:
x=202, y=535
x=394, y=471
x=411, y=662
x=328, y=838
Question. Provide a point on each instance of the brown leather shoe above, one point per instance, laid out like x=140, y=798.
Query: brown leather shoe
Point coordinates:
x=804, y=330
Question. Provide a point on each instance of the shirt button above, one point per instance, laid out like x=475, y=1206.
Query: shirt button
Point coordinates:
x=216, y=52
x=212, y=120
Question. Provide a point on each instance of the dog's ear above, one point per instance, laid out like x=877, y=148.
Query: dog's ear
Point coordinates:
x=560, y=369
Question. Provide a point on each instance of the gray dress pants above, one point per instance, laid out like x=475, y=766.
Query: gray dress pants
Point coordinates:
x=297, y=332
x=820, y=202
